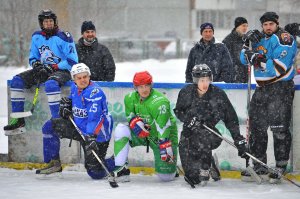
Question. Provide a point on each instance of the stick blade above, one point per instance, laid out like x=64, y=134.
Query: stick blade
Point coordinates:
x=254, y=175
x=21, y=114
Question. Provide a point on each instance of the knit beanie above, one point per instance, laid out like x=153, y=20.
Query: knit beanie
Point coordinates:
x=239, y=21
x=87, y=25
x=269, y=16
x=206, y=26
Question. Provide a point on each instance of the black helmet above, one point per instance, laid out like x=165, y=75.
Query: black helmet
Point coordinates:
x=47, y=14
x=201, y=70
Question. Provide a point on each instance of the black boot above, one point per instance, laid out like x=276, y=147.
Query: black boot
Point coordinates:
x=15, y=126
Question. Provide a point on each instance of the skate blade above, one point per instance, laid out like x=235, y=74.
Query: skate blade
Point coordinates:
x=125, y=178
x=203, y=183
x=274, y=181
x=17, y=131
x=20, y=114
x=56, y=175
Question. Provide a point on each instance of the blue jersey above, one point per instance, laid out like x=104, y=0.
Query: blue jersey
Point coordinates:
x=280, y=50
x=90, y=111
x=58, y=49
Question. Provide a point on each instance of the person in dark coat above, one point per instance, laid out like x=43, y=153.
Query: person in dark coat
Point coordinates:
x=94, y=54
x=214, y=54
x=206, y=104
x=234, y=42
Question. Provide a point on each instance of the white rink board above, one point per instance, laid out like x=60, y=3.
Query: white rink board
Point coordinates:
x=28, y=147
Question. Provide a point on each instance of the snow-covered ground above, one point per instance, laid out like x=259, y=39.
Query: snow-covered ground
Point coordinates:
x=24, y=185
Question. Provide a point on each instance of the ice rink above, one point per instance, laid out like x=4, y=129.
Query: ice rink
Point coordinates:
x=23, y=184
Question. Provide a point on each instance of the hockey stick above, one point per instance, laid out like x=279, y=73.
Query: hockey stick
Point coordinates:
x=179, y=169
x=251, y=156
x=28, y=113
x=111, y=178
x=248, y=104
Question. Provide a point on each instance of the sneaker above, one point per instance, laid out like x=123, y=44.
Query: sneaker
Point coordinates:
x=16, y=126
x=53, y=166
x=275, y=177
x=261, y=171
x=214, y=170
x=122, y=173
x=204, y=177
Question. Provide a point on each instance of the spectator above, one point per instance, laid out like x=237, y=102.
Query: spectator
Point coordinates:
x=214, y=54
x=94, y=54
x=234, y=42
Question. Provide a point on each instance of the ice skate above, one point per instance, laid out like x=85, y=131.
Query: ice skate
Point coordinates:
x=53, y=169
x=16, y=126
x=214, y=169
x=122, y=173
x=261, y=171
x=275, y=177
x=204, y=177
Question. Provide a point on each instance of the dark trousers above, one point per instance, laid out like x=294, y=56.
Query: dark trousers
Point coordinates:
x=271, y=106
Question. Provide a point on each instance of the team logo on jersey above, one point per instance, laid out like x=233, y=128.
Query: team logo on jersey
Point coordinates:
x=94, y=92
x=67, y=34
x=47, y=56
x=283, y=54
x=262, y=49
x=79, y=112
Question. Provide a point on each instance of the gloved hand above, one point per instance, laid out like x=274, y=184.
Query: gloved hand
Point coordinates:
x=37, y=66
x=195, y=123
x=166, y=152
x=91, y=144
x=256, y=59
x=242, y=149
x=51, y=68
x=65, y=107
x=139, y=127
x=252, y=35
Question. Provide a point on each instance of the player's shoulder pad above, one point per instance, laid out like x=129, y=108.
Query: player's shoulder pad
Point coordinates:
x=39, y=32
x=65, y=35
x=285, y=38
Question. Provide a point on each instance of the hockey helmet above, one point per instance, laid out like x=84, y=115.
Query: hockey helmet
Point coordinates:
x=142, y=78
x=47, y=14
x=79, y=68
x=201, y=70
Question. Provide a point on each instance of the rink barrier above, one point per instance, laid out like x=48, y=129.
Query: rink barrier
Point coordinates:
x=28, y=147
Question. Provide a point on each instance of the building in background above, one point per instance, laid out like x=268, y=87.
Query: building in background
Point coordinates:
x=136, y=27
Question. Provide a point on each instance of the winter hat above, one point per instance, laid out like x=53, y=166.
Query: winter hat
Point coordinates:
x=206, y=26
x=269, y=16
x=293, y=29
x=87, y=25
x=239, y=21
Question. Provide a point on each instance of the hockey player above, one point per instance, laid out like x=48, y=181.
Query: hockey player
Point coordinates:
x=272, y=57
x=52, y=54
x=88, y=106
x=203, y=103
x=151, y=124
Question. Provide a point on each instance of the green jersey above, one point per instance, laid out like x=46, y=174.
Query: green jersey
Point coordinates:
x=154, y=110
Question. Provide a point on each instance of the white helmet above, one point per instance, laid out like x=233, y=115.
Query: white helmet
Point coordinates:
x=79, y=68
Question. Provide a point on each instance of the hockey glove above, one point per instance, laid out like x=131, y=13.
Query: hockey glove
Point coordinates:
x=138, y=126
x=91, y=144
x=165, y=148
x=252, y=35
x=256, y=59
x=194, y=124
x=37, y=66
x=65, y=107
x=242, y=149
x=51, y=68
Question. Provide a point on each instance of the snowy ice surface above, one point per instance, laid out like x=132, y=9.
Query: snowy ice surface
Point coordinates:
x=24, y=185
